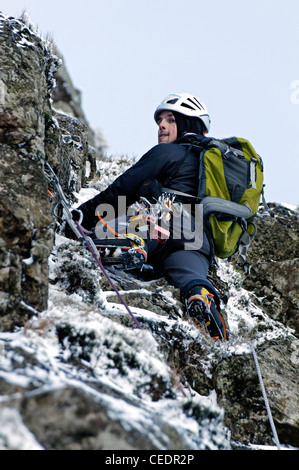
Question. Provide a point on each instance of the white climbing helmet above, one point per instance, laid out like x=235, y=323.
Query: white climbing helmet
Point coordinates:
x=186, y=104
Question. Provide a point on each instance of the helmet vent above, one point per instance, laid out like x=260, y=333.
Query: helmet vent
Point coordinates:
x=172, y=101
x=185, y=105
x=195, y=102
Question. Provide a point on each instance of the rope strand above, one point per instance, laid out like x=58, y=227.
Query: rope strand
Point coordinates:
x=266, y=401
x=258, y=370
x=89, y=243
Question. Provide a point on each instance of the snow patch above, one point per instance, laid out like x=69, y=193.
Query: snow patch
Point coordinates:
x=14, y=435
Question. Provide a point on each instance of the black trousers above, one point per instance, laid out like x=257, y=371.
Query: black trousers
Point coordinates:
x=185, y=269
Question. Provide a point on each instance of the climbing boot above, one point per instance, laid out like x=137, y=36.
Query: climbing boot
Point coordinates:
x=201, y=306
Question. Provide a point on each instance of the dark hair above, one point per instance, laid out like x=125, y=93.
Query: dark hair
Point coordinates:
x=187, y=124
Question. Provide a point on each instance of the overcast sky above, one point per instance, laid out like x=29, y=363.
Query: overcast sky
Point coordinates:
x=241, y=58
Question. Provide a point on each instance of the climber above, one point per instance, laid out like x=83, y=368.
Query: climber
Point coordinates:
x=168, y=164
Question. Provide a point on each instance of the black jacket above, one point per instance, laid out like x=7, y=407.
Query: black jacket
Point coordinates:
x=170, y=164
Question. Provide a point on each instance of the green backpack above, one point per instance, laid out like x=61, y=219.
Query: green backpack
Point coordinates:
x=231, y=182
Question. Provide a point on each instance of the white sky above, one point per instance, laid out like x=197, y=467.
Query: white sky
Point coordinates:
x=241, y=58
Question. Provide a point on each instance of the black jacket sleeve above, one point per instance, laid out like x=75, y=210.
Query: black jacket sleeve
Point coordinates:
x=157, y=163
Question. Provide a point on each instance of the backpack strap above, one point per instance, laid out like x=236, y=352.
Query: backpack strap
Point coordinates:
x=223, y=206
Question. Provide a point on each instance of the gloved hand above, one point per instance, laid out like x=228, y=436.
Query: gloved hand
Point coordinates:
x=151, y=190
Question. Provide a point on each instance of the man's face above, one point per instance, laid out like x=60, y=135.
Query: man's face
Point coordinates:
x=167, y=132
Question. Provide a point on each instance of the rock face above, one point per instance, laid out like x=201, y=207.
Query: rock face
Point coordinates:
x=273, y=284
x=75, y=373
x=25, y=226
x=31, y=131
x=275, y=258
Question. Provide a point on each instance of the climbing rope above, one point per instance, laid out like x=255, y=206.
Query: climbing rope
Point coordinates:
x=82, y=234
x=266, y=401
x=95, y=254
x=258, y=370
